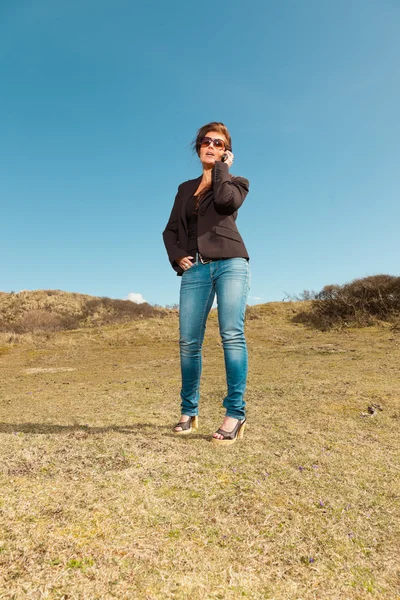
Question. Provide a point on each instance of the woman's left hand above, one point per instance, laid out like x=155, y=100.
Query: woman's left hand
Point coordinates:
x=230, y=158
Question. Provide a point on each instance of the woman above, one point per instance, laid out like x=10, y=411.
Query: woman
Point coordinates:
x=206, y=249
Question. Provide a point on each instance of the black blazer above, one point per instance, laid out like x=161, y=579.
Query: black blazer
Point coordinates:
x=217, y=234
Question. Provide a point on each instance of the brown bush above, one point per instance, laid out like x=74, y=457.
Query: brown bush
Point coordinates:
x=106, y=311
x=41, y=320
x=359, y=303
x=54, y=310
x=252, y=313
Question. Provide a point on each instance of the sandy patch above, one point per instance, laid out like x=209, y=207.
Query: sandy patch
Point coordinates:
x=48, y=370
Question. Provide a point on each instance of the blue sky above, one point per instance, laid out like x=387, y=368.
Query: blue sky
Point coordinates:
x=99, y=103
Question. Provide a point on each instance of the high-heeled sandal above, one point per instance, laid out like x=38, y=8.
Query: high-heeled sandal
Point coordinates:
x=187, y=426
x=230, y=437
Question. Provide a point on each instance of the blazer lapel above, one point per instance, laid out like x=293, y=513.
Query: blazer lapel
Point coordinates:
x=205, y=202
x=189, y=191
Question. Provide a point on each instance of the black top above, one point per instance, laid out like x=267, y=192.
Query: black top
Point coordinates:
x=191, y=220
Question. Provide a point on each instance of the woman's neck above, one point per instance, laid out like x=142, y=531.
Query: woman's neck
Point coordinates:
x=206, y=178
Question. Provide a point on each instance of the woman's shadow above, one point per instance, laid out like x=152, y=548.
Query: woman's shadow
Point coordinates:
x=52, y=428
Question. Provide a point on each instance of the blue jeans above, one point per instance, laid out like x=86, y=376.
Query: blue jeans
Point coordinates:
x=229, y=280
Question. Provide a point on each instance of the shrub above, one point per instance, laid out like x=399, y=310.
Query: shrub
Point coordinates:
x=52, y=310
x=252, y=313
x=105, y=311
x=41, y=320
x=361, y=302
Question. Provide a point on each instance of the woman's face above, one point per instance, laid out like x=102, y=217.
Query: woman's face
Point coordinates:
x=208, y=155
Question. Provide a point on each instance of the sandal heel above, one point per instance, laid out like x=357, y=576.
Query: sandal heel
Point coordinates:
x=195, y=422
x=241, y=432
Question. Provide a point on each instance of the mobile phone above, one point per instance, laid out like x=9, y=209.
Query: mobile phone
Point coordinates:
x=224, y=157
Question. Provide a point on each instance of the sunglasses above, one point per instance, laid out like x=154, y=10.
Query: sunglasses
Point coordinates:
x=217, y=143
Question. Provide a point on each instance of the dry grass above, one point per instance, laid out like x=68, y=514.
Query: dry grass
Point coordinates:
x=99, y=500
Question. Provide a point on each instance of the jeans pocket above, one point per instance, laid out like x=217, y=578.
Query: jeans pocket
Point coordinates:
x=189, y=269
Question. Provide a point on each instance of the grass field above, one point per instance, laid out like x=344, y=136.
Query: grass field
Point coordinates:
x=100, y=500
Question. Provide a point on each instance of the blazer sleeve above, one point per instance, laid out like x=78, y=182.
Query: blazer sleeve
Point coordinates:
x=229, y=192
x=170, y=233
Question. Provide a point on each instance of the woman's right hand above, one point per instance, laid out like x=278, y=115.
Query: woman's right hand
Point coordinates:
x=185, y=262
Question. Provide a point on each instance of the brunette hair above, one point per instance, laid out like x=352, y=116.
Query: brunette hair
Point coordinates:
x=215, y=126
